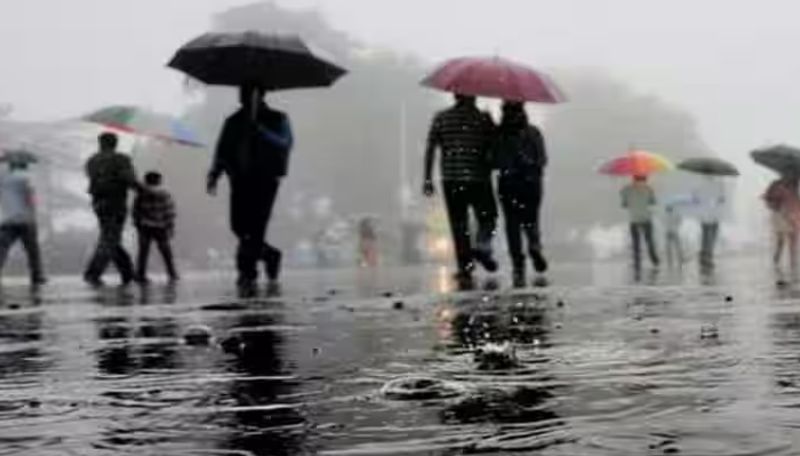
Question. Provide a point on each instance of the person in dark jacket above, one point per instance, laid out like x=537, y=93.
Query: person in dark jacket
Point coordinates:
x=520, y=158
x=154, y=219
x=253, y=152
x=464, y=133
x=111, y=177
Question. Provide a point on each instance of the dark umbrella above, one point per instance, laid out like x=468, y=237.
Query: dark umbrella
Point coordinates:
x=273, y=62
x=782, y=159
x=709, y=166
x=18, y=156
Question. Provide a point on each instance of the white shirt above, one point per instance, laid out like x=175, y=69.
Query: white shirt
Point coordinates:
x=710, y=200
x=17, y=199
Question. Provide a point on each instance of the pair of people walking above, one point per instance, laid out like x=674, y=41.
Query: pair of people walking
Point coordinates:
x=111, y=179
x=472, y=147
x=639, y=199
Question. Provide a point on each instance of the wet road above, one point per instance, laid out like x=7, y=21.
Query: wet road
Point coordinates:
x=606, y=365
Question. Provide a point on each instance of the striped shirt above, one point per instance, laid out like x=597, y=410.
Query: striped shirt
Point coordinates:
x=153, y=208
x=463, y=133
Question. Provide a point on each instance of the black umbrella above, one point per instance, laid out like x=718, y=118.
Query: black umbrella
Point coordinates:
x=274, y=62
x=709, y=166
x=781, y=159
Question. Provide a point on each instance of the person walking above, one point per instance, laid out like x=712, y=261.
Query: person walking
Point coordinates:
x=154, y=219
x=639, y=198
x=783, y=202
x=17, y=200
x=253, y=152
x=464, y=133
x=673, y=220
x=111, y=177
x=520, y=158
x=710, y=200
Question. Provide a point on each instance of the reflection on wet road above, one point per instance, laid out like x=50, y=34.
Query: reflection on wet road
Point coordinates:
x=342, y=363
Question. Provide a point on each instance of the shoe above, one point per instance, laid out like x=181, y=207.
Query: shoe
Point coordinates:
x=273, y=265
x=38, y=280
x=141, y=279
x=484, y=258
x=126, y=280
x=93, y=281
x=518, y=278
x=539, y=261
x=172, y=278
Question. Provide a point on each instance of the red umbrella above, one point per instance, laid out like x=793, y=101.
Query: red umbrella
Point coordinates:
x=494, y=77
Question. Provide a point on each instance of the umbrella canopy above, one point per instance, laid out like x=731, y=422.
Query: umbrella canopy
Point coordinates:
x=494, y=77
x=636, y=163
x=274, y=62
x=781, y=159
x=709, y=166
x=18, y=156
x=131, y=119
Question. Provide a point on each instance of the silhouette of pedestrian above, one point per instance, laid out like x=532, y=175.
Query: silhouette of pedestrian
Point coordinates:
x=253, y=152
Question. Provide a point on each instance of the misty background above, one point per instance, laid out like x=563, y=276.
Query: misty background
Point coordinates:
x=682, y=78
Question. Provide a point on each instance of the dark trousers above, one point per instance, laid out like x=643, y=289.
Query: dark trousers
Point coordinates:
x=251, y=209
x=459, y=198
x=161, y=238
x=109, y=245
x=521, y=201
x=639, y=230
x=28, y=235
x=710, y=232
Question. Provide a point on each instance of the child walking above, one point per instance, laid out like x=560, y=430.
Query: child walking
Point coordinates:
x=154, y=218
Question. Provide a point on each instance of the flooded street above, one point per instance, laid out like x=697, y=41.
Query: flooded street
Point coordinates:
x=675, y=364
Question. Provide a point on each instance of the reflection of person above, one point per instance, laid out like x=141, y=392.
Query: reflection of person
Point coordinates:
x=520, y=157
x=111, y=177
x=154, y=218
x=463, y=133
x=710, y=198
x=783, y=202
x=17, y=199
x=672, y=230
x=367, y=243
x=639, y=198
x=253, y=151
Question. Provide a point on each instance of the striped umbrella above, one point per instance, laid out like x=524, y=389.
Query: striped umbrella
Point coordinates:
x=143, y=122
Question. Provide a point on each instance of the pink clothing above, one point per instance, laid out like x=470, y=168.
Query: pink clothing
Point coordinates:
x=782, y=198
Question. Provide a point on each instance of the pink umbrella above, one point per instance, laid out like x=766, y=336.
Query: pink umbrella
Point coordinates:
x=494, y=77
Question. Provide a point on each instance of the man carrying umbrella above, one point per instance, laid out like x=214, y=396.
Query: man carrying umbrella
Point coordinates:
x=253, y=151
x=253, y=148
x=464, y=134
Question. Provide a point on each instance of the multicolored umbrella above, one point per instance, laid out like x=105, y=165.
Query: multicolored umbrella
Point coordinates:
x=782, y=159
x=139, y=121
x=709, y=166
x=494, y=77
x=636, y=163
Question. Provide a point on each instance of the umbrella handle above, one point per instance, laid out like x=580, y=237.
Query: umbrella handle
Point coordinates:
x=254, y=105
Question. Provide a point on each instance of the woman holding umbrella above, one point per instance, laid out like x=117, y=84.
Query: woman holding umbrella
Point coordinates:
x=782, y=198
x=784, y=205
x=520, y=157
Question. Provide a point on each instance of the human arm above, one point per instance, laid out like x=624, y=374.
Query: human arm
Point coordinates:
x=170, y=214
x=428, y=189
x=218, y=163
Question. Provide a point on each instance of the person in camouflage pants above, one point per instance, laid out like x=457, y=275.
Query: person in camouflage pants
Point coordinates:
x=111, y=177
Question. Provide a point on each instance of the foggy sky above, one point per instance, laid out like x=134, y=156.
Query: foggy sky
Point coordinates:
x=730, y=64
